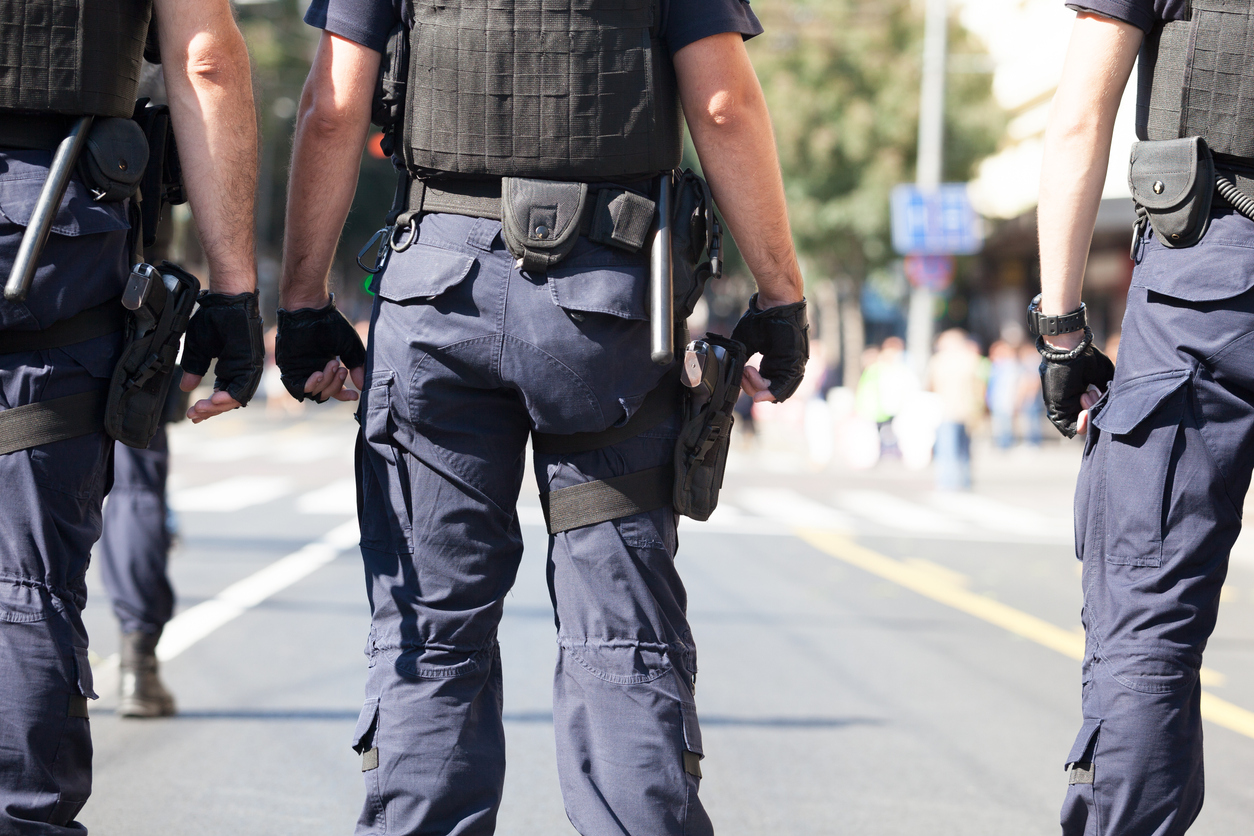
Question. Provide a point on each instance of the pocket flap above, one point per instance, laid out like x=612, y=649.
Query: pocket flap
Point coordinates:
x=77, y=215
x=425, y=273
x=617, y=290
x=367, y=722
x=1132, y=401
x=85, y=680
x=1082, y=750
x=692, y=729
x=1164, y=173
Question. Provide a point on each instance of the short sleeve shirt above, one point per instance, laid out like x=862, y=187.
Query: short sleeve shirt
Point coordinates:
x=1143, y=14
x=368, y=22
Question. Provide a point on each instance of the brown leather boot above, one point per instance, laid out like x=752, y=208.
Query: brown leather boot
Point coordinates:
x=140, y=692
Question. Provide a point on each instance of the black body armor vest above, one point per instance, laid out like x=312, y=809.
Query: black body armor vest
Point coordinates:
x=550, y=89
x=1196, y=78
x=72, y=57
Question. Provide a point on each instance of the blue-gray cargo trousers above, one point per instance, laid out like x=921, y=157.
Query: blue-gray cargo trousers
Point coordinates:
x=468, y=356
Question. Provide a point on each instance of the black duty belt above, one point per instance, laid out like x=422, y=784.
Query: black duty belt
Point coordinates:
x=44, y=422
x=33, y=131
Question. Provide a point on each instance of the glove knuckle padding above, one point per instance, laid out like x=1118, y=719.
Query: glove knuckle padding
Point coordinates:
x=308, y=340
x=782, y=336
x=228, y=327
x=1065, y=376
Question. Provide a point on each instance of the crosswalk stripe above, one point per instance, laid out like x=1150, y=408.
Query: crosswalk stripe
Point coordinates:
x=339, y=497
x=233, y=494
x=789, y=506
x=947, y=589
x=995, y=515
x=893, y=512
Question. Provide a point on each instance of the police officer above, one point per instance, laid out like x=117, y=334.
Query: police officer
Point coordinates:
x=64, y=61
x=482, y=333
x=1168, y=456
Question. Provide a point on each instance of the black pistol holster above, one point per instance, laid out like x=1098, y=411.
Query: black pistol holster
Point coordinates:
x=159, y=302
x=711, y=374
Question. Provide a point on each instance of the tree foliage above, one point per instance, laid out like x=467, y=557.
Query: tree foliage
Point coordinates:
x=842, y=80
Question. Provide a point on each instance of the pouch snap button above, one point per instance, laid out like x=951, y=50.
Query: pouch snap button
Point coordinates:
x=542, y=232
x=1158, y=187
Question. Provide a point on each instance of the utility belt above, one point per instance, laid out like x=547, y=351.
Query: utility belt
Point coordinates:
x=541, y=222
x=118, y=159
x=1174, y=183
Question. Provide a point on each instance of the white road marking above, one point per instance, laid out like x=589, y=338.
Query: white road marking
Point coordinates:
x=339, y=497
x=195, y=623
x=894, y=512
x=1002, y=517
x=788, y=506
x=232, y=494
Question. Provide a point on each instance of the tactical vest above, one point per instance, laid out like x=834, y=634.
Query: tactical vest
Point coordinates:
x=550, y=89
x=1196, y=78
x=72, y=57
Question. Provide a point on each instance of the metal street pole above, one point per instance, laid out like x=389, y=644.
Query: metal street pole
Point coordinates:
x=920, y=321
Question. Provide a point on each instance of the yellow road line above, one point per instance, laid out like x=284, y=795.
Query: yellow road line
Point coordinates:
x=919, y=577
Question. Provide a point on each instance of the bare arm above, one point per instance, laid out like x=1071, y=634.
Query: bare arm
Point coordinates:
x=209, y=84
x=331, y=131
x=726, y=113
x=1099, y=60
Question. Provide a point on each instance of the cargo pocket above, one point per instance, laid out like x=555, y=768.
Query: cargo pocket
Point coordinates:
x=365, y=743
x=424, y=273
x=693, y=753
x=1080, y=759
x=1143, y=420
x=617, y=289
x=384, y=486
x=72, y=768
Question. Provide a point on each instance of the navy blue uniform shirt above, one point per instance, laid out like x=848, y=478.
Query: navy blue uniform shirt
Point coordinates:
x=368, y=22
x=1221, y=266
x=1144, y=14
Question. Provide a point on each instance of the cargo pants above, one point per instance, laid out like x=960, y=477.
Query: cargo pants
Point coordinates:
x=135, y=547
x=467, y=356
x=50, y=515
x=1158, y=508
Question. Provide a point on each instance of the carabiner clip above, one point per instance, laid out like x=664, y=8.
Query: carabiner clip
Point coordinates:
x=410, y=231
x=381, y=255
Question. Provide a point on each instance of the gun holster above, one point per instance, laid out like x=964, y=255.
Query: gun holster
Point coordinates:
x=159, y=302
x=711, y=375
x=696, y=245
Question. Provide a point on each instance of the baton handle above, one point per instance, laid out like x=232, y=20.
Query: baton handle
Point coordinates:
x=662, y=280
x=40, y=225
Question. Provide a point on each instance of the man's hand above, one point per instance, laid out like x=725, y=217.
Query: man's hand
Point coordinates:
x=228, y=328
x=782, y=336
x=308, y=343
x=1072, y=381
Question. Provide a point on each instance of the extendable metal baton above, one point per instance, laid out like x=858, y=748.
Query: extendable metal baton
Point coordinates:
x=36, y=235
x=662, y=280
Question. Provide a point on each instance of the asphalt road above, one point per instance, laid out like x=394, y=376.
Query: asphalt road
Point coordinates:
x=874, y=658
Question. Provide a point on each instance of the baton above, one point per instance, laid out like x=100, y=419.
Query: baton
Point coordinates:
x=40, y=225
x=662, y=280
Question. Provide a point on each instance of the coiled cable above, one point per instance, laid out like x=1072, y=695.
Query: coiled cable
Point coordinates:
x=1236, y=198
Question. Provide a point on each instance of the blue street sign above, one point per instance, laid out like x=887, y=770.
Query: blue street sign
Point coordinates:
x=942, y=222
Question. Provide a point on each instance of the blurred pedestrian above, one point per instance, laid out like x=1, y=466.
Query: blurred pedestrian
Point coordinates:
x=1031, y=408
x=886, y=384
x=1005, y=378
x=954, y=374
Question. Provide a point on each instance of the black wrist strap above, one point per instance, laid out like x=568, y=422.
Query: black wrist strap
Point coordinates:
x=1040, y=325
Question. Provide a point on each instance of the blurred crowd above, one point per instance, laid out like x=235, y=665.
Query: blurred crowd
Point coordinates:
x=922, y=420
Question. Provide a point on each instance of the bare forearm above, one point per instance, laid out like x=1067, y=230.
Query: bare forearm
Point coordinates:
x=208, y=81
x=731, y=129
x=331, y=131
x=1077, y=153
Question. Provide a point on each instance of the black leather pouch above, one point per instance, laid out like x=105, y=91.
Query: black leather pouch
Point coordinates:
x=540, y=220
x=1173, y=183
x=696, y=242
x=162, y=184
x=113, y=159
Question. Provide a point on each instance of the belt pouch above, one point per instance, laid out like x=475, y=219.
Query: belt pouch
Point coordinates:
x=160, y=302
x=113, y=159
x=705, y=435
x=540, y=220
x=1173, y=183
x=692, y=237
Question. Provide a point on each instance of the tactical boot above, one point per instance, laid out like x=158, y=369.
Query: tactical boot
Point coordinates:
x=140, y=692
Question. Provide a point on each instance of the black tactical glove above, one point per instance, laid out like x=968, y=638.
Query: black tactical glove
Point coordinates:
x=308, y=339
x=782, y=336
x=229, y=328
x=1066, y=375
